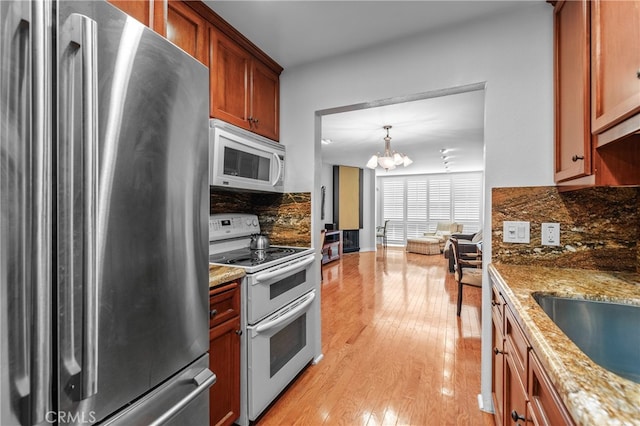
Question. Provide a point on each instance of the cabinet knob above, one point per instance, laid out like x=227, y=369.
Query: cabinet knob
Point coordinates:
x=213, y=313
x=638, y=73
x=239, y=332
x=515, y=416
x=494, y=303
x=498, y=351
x=577, y=157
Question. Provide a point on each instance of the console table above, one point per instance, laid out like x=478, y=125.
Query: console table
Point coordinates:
x=332, y=247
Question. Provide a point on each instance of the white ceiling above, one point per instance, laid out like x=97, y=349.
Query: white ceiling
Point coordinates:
x=296, y=33
x=420, y=130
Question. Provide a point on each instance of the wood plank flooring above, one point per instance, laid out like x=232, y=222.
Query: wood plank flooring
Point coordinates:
x=395, y=353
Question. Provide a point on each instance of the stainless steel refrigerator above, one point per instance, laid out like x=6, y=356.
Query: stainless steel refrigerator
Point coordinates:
x=103, y=230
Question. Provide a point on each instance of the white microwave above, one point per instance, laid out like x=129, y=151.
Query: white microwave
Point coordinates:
x=239, y=159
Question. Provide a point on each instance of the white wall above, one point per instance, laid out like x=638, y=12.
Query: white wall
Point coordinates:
x=512, y=53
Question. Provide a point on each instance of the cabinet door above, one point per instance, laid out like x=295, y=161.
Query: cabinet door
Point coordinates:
x=572, y=88
x=188, y=30
x=497, y=388
x=265, y=97
x=515, y=399
x=615, y=29
x=224, y=361
x=545, y=406
x=229, y=80
x=149, y=12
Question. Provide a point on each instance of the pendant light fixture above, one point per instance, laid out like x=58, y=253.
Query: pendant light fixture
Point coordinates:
x=390, y=159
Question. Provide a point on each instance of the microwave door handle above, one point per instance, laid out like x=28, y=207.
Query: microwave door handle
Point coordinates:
x=277, y=158
x=269, y=275
x=284, y=318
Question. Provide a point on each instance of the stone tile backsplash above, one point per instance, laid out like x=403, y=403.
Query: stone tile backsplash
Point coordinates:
x=599, y=227
x=286, y=218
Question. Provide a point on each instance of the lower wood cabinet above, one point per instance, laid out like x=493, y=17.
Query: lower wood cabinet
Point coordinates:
x=522, y=392
x=224, y=353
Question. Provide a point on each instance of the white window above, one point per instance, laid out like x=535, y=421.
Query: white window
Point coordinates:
x=415, y=204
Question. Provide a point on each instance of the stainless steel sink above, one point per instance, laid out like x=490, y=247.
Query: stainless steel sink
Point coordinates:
x=608, y=333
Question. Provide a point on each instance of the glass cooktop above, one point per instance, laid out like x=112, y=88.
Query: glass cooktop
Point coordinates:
x=248, y=257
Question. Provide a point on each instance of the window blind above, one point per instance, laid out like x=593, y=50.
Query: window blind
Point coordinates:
x=415, y=204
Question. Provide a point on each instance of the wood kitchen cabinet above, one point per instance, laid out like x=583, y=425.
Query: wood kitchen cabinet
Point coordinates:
x=597, y=93
x=545, y=406
x=244, y=82
x=224, y=353
x=244, y=91
x=149, y=12
x=522, y=392
x=572, y=82
x=516, y=349
x=188, y=30
x=615, y=62
x=497, y=362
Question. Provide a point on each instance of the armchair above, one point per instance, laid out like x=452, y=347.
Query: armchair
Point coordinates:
x=443, y=231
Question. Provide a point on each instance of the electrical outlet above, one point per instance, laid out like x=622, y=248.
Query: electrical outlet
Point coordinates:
x=550, y=234
x=515, y=232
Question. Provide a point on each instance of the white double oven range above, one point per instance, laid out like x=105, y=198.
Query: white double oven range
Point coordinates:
x=277, y=321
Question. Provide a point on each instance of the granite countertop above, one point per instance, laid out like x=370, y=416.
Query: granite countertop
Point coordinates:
x=223, y=274
x=592, y=394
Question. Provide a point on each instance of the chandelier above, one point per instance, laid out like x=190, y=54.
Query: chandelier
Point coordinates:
x=390, y=159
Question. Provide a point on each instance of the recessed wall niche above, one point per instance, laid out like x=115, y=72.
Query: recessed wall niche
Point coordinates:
x=347, y=204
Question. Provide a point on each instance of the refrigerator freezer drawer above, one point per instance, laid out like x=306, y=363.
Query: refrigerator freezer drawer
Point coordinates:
x=183, y=400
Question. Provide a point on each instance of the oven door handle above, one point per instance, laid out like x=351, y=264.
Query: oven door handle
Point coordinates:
x=264, y=327
x=266, y=276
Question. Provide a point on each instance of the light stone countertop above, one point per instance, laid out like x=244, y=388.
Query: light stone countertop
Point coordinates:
x=592, y=394
x=223, y=274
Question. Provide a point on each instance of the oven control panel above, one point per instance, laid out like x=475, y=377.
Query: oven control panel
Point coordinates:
x=223, y=226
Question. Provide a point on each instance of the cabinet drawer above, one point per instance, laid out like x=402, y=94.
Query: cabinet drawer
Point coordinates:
x=497, y=305
x=516, y=345
x=224, y=303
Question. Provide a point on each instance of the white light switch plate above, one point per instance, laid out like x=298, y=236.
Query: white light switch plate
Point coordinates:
x=550, y=234
x=515, y=232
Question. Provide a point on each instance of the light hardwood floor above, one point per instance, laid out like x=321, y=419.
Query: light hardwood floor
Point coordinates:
x=394, y=350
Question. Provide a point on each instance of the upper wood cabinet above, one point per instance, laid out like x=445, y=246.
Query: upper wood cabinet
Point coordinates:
x=597, y=93
x=265, y=100
x=149, y=12
x=188, y=30
x=229, y=80
x=244, y=91
x=572, y=82
x=616, y=62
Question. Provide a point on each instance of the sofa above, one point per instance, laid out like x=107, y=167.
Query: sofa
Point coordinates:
x=467, y=243
x=430, y=241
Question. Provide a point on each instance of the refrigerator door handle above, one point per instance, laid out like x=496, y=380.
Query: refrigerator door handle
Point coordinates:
x=203, y=380
x=40, y=127
x=83, y=34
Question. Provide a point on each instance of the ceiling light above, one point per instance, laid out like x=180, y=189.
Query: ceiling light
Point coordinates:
x=390, y=159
